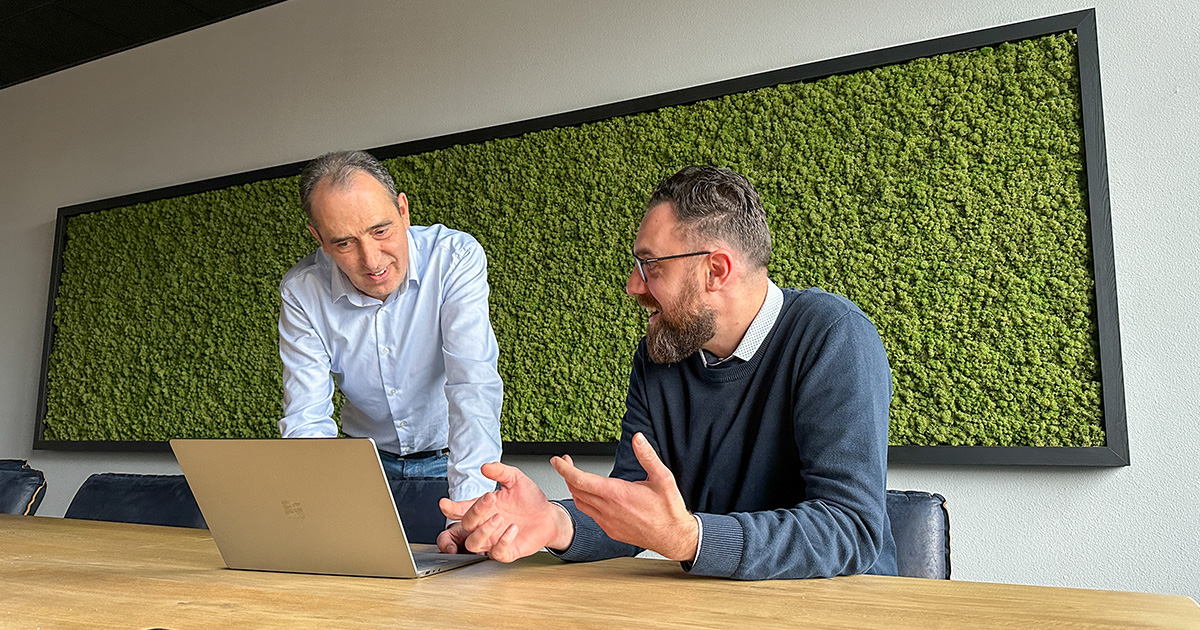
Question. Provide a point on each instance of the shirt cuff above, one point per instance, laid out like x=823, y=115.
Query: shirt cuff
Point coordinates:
x=720, y=550
x=699, y=535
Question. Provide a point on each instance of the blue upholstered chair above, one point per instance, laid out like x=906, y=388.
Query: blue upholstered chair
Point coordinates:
x=417, y=501
x=21, y=487
x=921, y=527
x=146, y=499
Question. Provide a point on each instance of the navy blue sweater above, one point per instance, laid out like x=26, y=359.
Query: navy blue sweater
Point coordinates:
x=782, y=457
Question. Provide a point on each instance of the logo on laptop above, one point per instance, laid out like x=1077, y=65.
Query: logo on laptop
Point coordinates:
x=292, y=509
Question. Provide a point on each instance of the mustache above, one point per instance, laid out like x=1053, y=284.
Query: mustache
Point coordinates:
x=645, y=301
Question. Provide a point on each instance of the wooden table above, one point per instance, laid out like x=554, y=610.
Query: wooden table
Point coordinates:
x=61, y=573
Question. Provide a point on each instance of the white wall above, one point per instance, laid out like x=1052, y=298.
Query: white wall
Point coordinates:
x=296, y=79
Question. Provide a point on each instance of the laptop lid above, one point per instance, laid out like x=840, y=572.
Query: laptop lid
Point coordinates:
x=311, y=505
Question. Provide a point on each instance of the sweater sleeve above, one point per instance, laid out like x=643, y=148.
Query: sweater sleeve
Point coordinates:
x=842, y=393
x=590, y=542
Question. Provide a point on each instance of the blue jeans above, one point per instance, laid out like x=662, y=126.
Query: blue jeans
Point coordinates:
x=398, y=468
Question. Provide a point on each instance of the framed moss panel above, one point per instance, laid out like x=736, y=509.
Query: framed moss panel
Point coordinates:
x=955, y=189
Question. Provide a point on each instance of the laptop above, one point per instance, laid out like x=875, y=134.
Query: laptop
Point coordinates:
x=311, y=505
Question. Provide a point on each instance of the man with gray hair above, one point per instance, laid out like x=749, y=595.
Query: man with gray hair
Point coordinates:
x=754, y=442
x=398, y=316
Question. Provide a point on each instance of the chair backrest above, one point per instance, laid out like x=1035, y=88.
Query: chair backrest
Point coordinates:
x=417, y=502
x=921, y=528
x=147, y=499
x=21, y=487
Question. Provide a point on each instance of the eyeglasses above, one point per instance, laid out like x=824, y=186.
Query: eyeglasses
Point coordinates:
x=642, y=262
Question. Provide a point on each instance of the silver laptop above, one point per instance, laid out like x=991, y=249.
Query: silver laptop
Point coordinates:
x=312, y=505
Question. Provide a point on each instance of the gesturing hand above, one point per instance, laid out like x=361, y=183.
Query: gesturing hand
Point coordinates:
x=650, y=513
x=452, y=538
x=513, y=521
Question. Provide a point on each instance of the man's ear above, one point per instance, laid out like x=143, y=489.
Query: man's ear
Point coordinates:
x=317, y=235
x=402, y=204
x=720, y=270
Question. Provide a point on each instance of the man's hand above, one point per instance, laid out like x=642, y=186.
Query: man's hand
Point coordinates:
x=650, y=514
x=509, y=523
x=452, y=539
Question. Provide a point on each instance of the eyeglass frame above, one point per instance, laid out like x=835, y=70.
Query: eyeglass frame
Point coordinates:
x=641, y=262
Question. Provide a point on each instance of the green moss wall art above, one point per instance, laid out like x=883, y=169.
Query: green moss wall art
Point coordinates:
x=949, y=194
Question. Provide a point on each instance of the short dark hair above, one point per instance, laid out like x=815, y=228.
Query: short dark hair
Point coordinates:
x=713, y=203
x=339, y=167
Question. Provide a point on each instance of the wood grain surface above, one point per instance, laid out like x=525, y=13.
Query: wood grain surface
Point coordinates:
x=62, y=573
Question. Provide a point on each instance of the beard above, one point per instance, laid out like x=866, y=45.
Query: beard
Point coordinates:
x=672, y=338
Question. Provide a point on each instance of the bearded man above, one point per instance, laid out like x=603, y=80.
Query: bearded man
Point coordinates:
x=754, y=442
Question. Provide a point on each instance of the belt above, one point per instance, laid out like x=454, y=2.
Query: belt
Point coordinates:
x=420, y=454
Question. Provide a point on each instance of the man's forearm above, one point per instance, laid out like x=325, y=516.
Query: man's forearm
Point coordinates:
x=474, y=440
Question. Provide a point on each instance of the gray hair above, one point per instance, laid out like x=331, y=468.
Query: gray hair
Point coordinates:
x=717, y=204
x=339, y=167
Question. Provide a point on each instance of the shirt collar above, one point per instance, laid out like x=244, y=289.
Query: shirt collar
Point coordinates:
x=758, y=330
x=340, y=286
x=416, y=265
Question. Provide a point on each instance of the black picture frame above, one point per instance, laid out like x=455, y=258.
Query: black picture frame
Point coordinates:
x=1082, y=23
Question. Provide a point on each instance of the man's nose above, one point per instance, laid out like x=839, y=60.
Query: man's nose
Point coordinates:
x=372, y=254
x=635, y=285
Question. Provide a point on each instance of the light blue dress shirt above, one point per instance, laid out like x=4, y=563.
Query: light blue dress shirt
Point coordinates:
x=418, y=369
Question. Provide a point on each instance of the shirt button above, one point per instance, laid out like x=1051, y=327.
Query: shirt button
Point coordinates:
x=402, y=424
x=385, y=350
x=392, y=391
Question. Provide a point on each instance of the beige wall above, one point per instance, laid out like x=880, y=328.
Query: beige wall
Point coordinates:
x=291, y=81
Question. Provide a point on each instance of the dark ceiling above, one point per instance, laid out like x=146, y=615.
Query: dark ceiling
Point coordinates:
x=38, y=37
